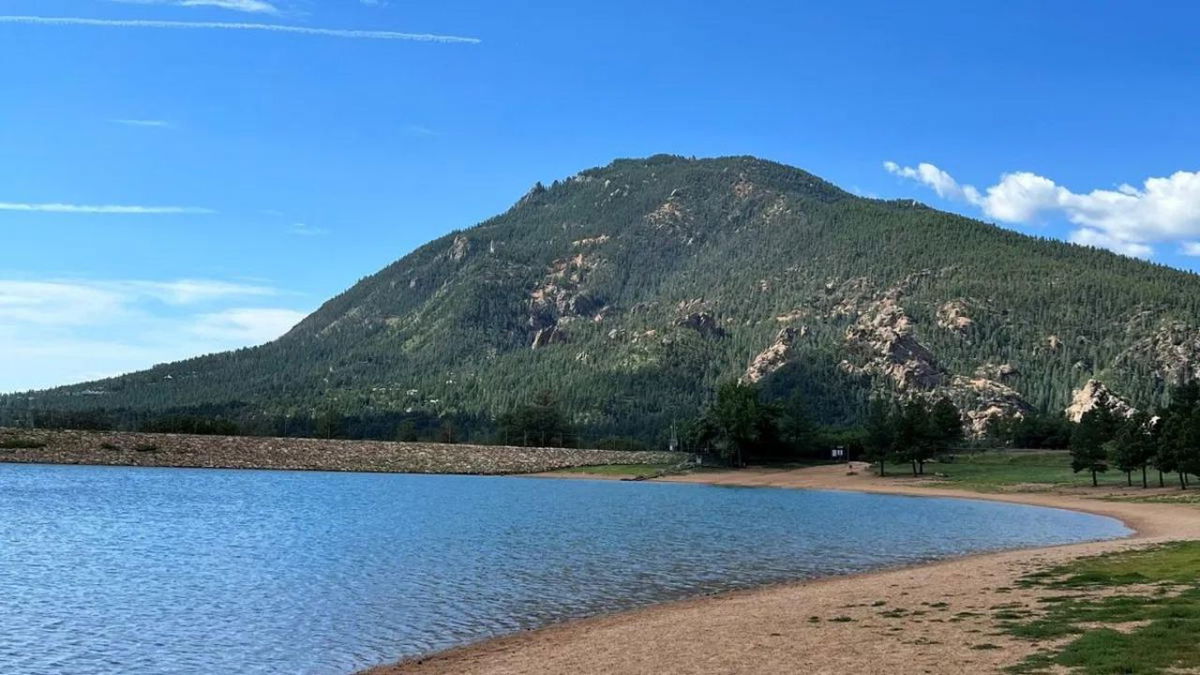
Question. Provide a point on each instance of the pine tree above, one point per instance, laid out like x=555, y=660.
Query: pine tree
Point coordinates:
x=945, y=425
x=1133, y=446
x=1088, y=452
x=914, y=434
x=879, y=439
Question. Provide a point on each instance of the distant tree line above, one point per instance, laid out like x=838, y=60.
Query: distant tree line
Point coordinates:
x=742, y=426
x=1168, y=441
x=912, y=432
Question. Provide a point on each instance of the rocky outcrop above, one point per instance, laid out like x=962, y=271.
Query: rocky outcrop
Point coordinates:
x=996, y=371
x=886, y=332
x=591, y=241
x=1094, y=394
x=953, y=317
x=1172, y=350
x=773, y=357
x=459, y=248
x=703, y=323
x=669, y=213
x=984, y=400
x=561, y=294
x=548, y=336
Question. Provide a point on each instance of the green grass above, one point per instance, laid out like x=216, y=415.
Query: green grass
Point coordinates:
x=995, y=470
x=1157, y=601
x=617, y=469
x=1177, y=498
x=1177, y=563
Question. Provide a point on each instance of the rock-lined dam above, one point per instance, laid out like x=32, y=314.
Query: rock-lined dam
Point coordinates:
x=300, y=454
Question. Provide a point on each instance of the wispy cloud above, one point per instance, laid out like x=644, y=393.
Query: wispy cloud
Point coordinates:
x=187, y=291
x=218, y=25
x=252, y=6
x=56, y=332
x=419, y=130
x=250, y=325
x=160, y=124
x=306, y=230
x=74, y=302
x=108, y=209
x=1126, y=220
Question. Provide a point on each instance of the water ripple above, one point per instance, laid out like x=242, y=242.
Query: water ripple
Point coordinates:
x=106, y=569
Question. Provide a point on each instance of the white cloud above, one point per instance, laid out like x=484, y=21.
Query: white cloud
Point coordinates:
x=1127, y=220
x=188, y=291
x=69, y=302
x=1191, y=248
x=161, y=124
x=252, y=6
x=942, y=183
x=108, y=209
x=62, y=331
x=56, y=303
x=247, y=324
x=217, y=25
x=1086, y=236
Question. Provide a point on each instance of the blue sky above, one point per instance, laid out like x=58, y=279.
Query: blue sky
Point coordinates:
x=259, y=172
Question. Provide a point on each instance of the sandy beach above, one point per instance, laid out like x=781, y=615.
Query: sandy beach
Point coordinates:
x=834, y=625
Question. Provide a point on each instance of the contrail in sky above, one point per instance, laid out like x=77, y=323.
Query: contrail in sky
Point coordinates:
x=219, y=25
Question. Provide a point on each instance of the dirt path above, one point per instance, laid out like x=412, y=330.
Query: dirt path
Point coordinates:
x=933, y=618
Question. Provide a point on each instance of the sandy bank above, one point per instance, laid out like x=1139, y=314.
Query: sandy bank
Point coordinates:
x=836, y=625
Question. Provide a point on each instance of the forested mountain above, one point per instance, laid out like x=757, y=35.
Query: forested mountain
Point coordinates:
x=630, y=291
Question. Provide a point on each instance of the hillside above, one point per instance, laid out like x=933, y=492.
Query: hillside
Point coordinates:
x=631, y=290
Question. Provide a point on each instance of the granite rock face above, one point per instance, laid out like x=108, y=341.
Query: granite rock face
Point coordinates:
x=1093, y=394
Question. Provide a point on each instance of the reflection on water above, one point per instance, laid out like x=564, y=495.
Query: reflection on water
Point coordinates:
x=127, y=570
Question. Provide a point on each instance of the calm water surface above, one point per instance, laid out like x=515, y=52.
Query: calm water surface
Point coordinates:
x=120, y=570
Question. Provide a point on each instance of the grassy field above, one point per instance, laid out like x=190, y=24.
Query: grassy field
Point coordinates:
x=1007, y=469
x=1131, y=612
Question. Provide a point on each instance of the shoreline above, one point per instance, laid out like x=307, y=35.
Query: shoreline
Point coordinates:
x=787, y=627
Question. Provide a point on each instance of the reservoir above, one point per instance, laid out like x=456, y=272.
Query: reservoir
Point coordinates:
x=140, y=571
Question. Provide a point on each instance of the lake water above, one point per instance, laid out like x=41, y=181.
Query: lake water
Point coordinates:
x=122, y=570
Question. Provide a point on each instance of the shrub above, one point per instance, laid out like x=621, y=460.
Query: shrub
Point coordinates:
x=146, y=447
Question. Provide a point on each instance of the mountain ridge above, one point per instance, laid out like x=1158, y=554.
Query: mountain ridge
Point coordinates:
x=631, y=289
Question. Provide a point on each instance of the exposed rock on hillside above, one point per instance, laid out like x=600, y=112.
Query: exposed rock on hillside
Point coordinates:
x=996, y=371
x=1093, y=394
x=886, y=331
x=774, y=357
x=550, y=335
x=459, y=248
x=703, y=323
x=953, y=316
x=670, y=212
x=1173, y=351
x=560, y=294
x=985, y=400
